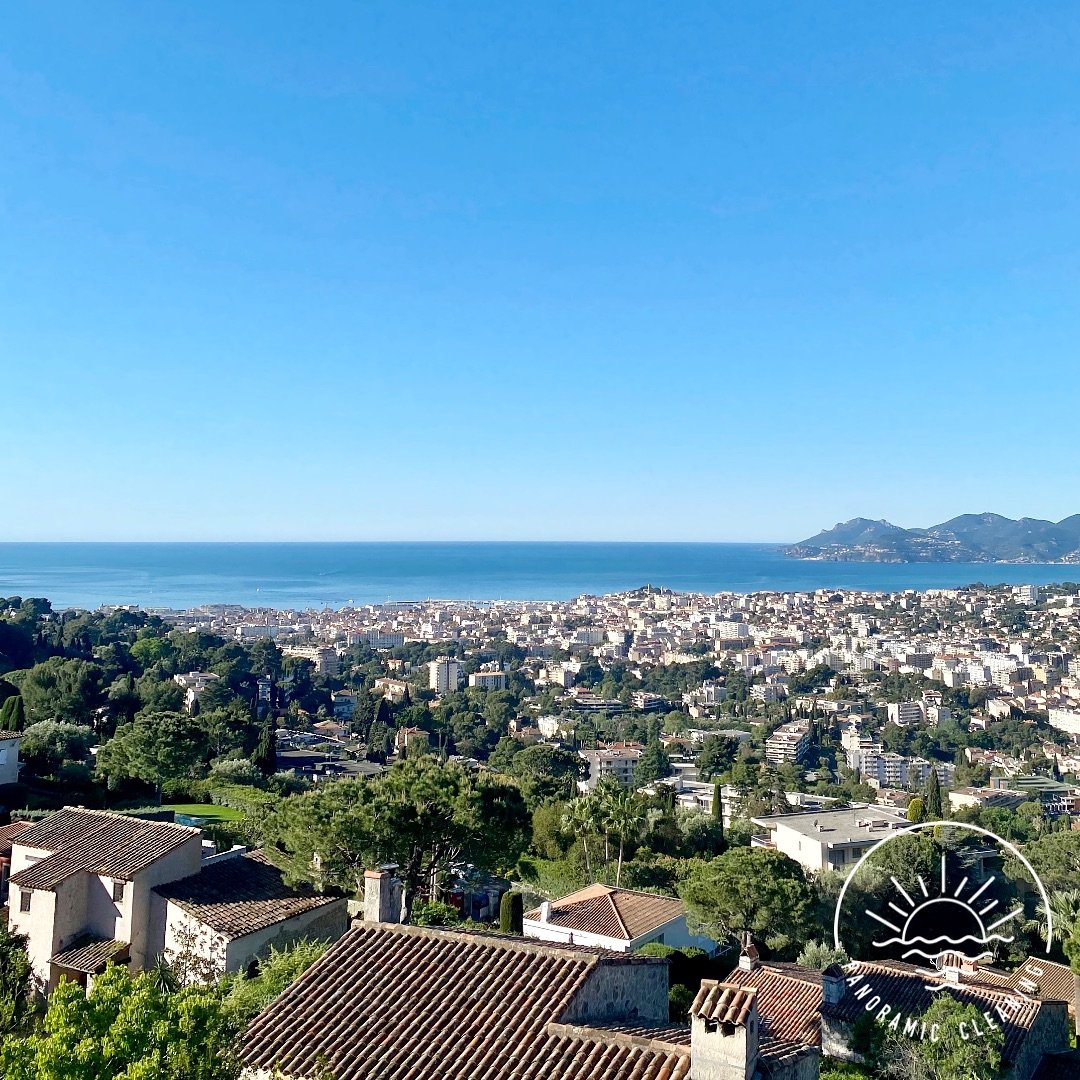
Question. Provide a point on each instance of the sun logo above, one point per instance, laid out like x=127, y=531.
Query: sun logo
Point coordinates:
x=940, y=917
x=943, y=921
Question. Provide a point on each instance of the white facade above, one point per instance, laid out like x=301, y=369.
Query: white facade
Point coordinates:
x=444, y=675
x=9, y=759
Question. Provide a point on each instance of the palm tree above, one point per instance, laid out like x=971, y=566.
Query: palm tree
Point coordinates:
x=625, y=814
x=578, y=818
x=1065, y=910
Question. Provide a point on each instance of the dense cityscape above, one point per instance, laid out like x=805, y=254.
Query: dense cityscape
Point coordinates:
x=205, y=803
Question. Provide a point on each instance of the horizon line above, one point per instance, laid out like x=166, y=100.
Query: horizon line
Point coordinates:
x=406, y=540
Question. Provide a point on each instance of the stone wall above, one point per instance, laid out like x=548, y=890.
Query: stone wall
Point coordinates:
x=1049, y=1034
x=631, y=989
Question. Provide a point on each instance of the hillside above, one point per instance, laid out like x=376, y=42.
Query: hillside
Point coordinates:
x=967, y=538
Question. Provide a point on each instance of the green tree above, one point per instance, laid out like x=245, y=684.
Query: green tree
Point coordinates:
x=653, y=765
x=915, y=810
x=933, y=810
x=13, y=714
x=244, y=998
x=511, y=912
x=265, y=756
x=544, y=771
x=425, y=816
x=156, y=748
x=47, y=745
x=57, y=689
x=1065, y=909
x=953, y=1053
x=580, y=818
x=759, y=891
x=16, y=981
x=624, y=816
x=127, y=1027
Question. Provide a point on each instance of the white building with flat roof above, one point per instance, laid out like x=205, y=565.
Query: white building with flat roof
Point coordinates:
x=827, y=840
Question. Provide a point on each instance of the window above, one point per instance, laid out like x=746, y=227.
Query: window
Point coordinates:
x=24, y=900
x=118, y=892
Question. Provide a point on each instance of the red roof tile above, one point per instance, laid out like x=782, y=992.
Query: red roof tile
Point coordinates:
x=407, y=1003
x=616, y=913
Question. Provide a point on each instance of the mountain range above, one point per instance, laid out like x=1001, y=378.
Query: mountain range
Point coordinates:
x=970, y=538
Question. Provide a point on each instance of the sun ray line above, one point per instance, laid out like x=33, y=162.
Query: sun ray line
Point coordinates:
x=884, y=922
x=989, y=907
x=899, y=910
x=982, y=888
x=1005, y=918
x=922, y=885
x=960, y=887
x=902, y=891
x=942, y=875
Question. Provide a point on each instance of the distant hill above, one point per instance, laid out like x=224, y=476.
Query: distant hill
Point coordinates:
x=967, y=538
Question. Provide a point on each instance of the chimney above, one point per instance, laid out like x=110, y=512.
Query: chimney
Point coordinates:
x=545, y=911
x=749, y=957
x=833, y=985
x=383, y=894
x=723, y=1032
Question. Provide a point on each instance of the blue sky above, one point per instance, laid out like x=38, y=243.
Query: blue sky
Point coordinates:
x=621, y=271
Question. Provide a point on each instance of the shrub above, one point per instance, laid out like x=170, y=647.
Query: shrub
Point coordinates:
x=511, y=913
x=434, y=913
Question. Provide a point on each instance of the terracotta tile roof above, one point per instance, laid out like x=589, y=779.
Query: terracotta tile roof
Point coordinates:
x=788, y=999
x=112, y=845
x=724, y=1003
x=906, y=988
x=8, y=832
x=1043, y=979
x=89, y=956
x=408, y=1003
x=240, y=895
x=616, y=913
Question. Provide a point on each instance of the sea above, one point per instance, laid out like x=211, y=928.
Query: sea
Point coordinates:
x=302, y=576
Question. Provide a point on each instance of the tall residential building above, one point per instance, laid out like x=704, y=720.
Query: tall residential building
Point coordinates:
x=906, y=713
x=789, y=742
x=444, y=675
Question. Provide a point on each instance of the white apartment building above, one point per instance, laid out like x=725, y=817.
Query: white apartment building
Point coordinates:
x=618, y=764
x=906, y=713
x=444, y=675
x=488, y=679
x=193, y=684
x=789, y=742
x=325, y=659
x=1067, y=720
x=832, y=839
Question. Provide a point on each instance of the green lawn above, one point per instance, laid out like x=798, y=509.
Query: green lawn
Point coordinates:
x=214, y=814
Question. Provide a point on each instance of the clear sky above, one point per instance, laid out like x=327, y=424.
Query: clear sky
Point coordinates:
x=708, y=271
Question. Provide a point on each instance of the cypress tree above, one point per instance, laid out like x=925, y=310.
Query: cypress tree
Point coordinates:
x=265, y=756
x=718, y=815
x=13, y=714
x=511, y=913
x=933, y=810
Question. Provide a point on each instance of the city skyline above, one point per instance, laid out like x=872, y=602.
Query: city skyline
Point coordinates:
x=420, y=274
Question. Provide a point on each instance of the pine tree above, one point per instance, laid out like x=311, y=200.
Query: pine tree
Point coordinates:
x=933, y=810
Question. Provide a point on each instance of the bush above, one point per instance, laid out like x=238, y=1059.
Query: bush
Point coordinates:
x=434, y=913
x=680, y=998
x=245, y=998
x=511, y=912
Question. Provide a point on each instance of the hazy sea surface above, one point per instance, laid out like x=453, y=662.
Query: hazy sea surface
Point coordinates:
x=303, y=575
